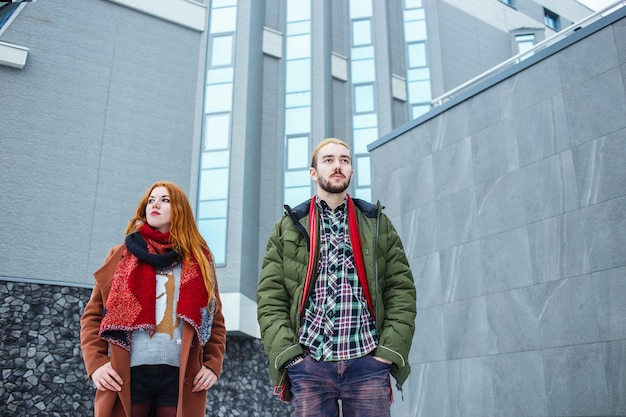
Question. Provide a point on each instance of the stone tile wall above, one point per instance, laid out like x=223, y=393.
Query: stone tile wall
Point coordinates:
x=43, y=373
x=512, y=207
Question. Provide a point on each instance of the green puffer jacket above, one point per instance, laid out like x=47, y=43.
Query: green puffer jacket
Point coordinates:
x=283, y=276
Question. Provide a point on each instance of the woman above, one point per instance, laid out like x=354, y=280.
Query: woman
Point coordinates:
x=153, y=334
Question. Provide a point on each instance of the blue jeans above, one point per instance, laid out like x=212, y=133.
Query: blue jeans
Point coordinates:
x=362, y=385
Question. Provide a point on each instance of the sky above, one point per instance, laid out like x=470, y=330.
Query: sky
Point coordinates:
x=597, y=4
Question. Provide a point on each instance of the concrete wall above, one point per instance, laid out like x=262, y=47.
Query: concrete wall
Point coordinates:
x=511, y=202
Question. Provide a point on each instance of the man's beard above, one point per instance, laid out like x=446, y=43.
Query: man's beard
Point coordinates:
x=333, y=188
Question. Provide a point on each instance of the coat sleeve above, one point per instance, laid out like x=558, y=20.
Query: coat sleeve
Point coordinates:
x=275, y=306
x=95, y=350
x=213, y=352
x=399, y=300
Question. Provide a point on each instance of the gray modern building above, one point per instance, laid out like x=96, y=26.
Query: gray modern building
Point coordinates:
x=100, y=98
x=282, y=75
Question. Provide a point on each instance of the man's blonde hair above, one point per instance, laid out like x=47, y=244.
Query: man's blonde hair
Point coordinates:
x=323, y=143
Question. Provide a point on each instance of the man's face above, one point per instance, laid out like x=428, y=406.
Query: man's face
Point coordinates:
x=333, y=171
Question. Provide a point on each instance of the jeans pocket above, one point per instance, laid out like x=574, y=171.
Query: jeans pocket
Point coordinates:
x=378, y=363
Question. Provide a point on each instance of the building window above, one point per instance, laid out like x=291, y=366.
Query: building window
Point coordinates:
x=361, y=32
x=524, y=43
x=297, y=181
x=6, y=12
x=509, y=2
x=297, y=178
x=363, y=85
x=213, y=191
x=418, y=71
x=364, y=98
x=551, y=19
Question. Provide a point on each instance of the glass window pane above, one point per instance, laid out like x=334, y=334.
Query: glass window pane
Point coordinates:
x=415, y=31
x=217, y=131
x=362, y=52
x=415, y=14
x=360, y=8
x=298, y=46
x=7, y=9
x=222, y=3
x=214, y=232
x=361, y=32
x=363, y=71
x=524, y=42
x=297, y=120
x=417, y=55
x=215, y=159
x=220, y=75
x=420, y=109
x=363, y=171
x=217, y=209
x=298, y=75
x=296, y=195
x=299, y=99
x=551, y=19
x=418, y=74
x=298, y=10
x=364, y=98
x=419, y=91
x=218, y=98
x=221, y=51
x=297, y=178
x=364, y=120
x=298, y=152
x=364, y=194
x=298, y=28
x=410, y=4
x=362, y=138
x=223, y=20
x=213, y=184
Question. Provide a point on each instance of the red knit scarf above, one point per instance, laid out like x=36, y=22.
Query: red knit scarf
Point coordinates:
x=131, y=304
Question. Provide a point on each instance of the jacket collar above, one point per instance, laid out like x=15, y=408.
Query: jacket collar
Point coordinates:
x=302, y=210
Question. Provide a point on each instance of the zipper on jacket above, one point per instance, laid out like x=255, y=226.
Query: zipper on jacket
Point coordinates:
x=399, y=388
x=378, y=209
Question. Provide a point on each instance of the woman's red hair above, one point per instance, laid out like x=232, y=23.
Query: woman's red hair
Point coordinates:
x=184, y=234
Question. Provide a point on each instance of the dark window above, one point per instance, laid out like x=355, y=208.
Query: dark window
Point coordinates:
x=508, y=2
x=551, y=19
x=6, y=11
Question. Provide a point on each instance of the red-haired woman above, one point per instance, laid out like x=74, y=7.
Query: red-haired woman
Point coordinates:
x=152, y=333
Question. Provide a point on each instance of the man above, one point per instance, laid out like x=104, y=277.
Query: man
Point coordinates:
x=336, y=299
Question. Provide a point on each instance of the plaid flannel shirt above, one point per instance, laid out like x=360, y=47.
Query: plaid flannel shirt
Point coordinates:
x=337, y=323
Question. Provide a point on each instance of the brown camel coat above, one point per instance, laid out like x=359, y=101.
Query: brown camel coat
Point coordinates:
x=97, y=352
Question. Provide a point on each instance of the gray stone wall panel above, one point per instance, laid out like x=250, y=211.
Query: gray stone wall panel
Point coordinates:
x=529, y=207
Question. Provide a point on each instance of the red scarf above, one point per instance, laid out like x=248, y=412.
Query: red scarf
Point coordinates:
x=131, y=304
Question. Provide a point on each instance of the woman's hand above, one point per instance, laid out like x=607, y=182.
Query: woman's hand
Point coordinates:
x=204, y=379
x=105, y=378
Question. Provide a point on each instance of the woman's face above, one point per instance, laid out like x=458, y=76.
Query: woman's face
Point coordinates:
x=158, y=210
